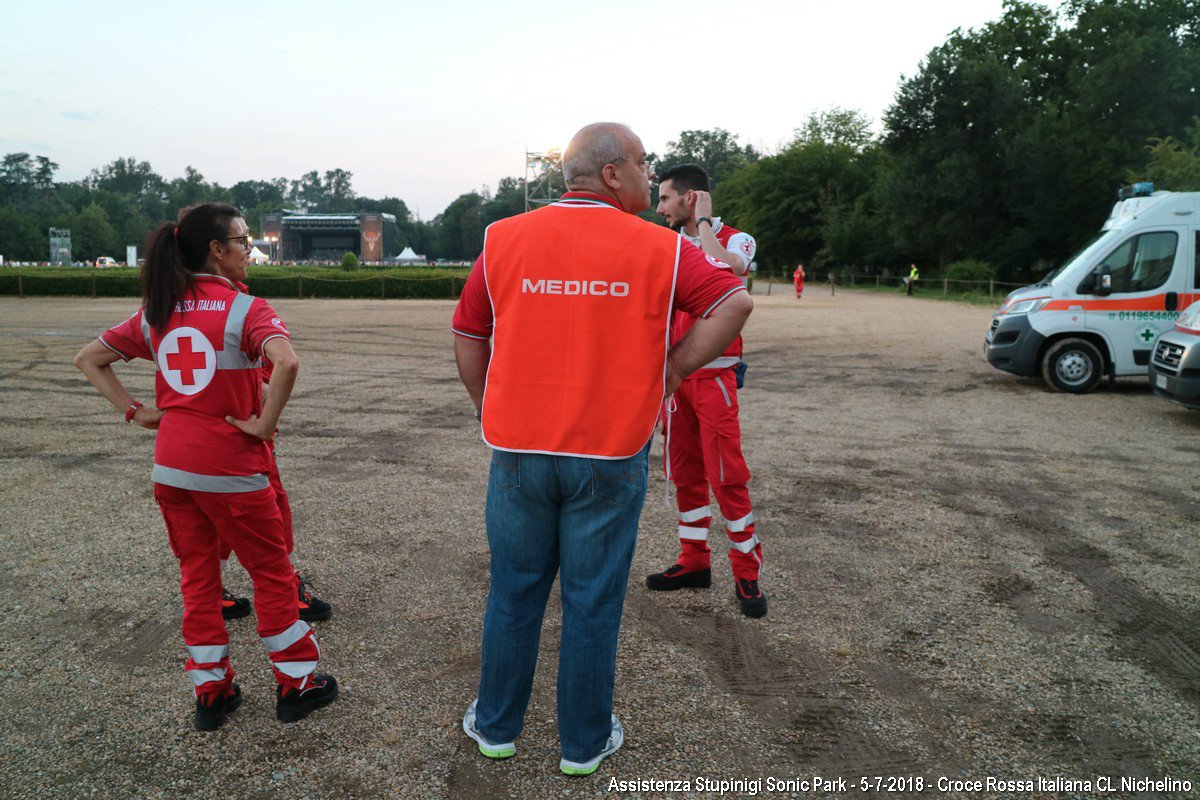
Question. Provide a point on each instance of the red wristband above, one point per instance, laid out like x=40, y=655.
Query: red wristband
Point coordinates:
x=132, y=410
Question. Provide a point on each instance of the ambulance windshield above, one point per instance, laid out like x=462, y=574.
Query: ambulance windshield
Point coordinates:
x=1097, y=242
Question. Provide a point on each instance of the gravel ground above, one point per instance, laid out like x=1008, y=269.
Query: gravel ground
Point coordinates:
x=969, y=576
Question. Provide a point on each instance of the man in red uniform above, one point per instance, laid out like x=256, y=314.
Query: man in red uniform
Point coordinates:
x=798, y=280
x=704, y=446
x=311, y=607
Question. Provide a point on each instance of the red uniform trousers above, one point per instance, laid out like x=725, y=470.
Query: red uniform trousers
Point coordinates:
x=281, y=498
x=704, y=448
x=197, y=522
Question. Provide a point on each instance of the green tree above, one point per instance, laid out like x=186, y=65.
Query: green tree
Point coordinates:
x=92, y=235
x=20, y=239
x=716, y=150
x=460, y=228
x=789, y=200
x=1171, y=166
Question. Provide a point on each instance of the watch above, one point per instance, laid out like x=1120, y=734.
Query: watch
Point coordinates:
x=705, y=219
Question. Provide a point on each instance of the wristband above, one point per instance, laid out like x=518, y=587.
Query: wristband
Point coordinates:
x=133, y=407
x=705, y=219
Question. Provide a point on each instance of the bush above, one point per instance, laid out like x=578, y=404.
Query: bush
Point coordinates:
x=349, y=262
x=970, y=270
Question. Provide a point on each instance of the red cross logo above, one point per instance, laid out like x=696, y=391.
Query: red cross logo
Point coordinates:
x=186, y=362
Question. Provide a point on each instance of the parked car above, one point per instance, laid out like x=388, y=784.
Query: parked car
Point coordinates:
x=1175, y=367
x=105, y=261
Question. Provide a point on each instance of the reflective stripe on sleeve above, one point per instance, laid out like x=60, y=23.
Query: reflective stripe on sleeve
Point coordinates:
x=208, y=653
x=739, y=525
x=202, y=676
x=110, y=347
x=722, y=362
x=232, y=357
x=470, y=335
x=722, y=299
x=282, y=641
x=744, y=547
x=146, y=335
x=220, y=484
x=695, y=514
x=698, y=534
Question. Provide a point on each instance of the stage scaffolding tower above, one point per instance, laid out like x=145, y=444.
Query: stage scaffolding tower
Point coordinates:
x=543, y=178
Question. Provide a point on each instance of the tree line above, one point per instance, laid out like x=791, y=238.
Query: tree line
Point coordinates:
x=997, y=159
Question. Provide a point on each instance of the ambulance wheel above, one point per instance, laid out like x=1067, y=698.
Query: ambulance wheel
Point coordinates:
x=1073, y=365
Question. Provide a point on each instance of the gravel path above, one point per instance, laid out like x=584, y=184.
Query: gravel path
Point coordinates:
x=969, y=576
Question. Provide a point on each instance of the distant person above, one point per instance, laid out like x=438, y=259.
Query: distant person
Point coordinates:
x=704, y=438
x=578, y=295
x=913, y=277
x=211, y=462
x=798, y=280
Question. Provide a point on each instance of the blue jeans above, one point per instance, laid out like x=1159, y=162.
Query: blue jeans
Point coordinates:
x=576, y=517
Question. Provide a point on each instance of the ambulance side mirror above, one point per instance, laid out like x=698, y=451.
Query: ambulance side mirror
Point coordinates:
x=1102, y=280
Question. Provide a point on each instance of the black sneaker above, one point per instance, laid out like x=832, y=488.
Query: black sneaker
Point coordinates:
x=233, y=607
x=209, y=716
x=678, y=578
x=296, y=704
x=753, y=601
x=311, y=607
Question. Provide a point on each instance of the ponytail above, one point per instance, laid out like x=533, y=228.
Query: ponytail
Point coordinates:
x=176, y=251
x=164, y=277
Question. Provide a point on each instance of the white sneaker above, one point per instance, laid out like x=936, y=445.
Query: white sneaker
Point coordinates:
x=506, y=750
x=615, y=740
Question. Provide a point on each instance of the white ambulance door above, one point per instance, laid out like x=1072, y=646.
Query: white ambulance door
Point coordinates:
x=1151, y=277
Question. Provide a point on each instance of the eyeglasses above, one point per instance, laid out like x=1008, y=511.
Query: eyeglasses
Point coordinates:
x=245, y=240
x=642, y=164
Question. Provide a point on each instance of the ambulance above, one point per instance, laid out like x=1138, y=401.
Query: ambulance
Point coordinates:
x=1100, y=313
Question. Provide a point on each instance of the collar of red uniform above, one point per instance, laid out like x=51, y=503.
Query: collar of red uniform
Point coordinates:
x=206, y=277
x=599, y=198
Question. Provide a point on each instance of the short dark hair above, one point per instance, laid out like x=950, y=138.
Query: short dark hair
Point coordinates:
x=685, y=177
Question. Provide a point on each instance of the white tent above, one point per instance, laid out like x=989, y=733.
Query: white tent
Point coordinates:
x=407, y=256
x=258, y=256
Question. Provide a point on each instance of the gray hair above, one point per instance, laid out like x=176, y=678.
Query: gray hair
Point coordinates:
x=594, y=146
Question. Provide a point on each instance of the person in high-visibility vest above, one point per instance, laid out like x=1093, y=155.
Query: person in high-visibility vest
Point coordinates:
x=703, y=433
x=798, y=280
x=562, y=343
x=207, y=339
x=913, y=277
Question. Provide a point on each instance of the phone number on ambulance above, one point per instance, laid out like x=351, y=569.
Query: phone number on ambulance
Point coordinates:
x=1139, y=316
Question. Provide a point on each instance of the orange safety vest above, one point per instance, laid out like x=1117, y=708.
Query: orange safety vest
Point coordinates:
x=581, y=298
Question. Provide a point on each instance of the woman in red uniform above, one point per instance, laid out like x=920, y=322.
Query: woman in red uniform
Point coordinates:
x=211, y=462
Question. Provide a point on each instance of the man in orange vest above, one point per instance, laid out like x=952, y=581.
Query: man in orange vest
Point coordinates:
x=562, y=342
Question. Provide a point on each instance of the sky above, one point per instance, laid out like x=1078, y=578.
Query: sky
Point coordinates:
x=426, y=101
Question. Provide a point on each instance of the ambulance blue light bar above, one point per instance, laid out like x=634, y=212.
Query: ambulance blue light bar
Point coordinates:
x=1143, y=189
